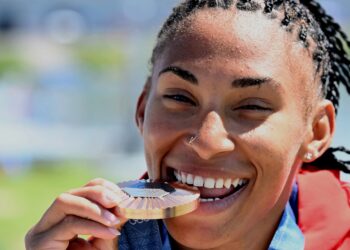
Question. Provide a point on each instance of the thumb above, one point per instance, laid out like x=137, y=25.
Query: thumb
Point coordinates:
x=108, y=244
x=104, y=244
x=80, y=244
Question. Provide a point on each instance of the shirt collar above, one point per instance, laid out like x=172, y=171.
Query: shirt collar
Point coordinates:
x=288, y=235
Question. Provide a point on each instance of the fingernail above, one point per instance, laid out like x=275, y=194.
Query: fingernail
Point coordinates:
x=111, y=218
x=114, y=231
x=113, y=197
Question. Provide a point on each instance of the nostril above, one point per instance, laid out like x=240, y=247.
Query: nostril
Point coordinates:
x=212, y=137
x=207, y=148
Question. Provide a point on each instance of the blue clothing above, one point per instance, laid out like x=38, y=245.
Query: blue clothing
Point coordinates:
x=152, y=234
x=288, y=235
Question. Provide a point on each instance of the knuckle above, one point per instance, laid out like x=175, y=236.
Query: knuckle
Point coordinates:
x=107, y=197
x=99, y=193
x=99, y=190
x=28, y=240
x=69, y=220
x=96, y=181
x=32, y=240
x=87, y=209
x=61, y=199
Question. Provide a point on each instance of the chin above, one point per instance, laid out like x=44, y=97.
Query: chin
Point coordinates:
x=197, y=233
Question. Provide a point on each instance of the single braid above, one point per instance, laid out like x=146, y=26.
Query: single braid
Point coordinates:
x=338, y=71
x=329, y=161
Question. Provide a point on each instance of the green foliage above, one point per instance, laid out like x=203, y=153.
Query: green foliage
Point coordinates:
x=100, y=56
x=24, y=198
x=10, y=62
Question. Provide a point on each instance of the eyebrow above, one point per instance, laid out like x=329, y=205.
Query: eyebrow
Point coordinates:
x=237, y=83
x=184, y=74
x=252, y=81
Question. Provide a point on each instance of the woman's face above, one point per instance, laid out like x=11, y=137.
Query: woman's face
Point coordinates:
x=236, y=82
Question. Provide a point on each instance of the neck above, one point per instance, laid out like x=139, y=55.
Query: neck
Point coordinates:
x=260, y=235
x=258, y=238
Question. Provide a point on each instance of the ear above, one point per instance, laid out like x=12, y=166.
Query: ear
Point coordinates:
x=320, y=136
x=141, y=105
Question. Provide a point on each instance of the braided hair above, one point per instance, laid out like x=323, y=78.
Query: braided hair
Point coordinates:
x=332, y=63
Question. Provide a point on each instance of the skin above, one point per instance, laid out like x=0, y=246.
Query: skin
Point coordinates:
x=265, y=144
x=88, y=210
x=258, y=132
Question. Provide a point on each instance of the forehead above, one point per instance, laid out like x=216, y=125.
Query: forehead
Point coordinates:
x=245, y=39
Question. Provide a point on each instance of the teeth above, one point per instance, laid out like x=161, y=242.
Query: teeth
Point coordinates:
x=178, y=177
x=227, y=183
x=189, y=179
x=235, y=182
x=219, y=183
x=198, y=181
x=183, y=177
x=208, y=199
x=208, y=182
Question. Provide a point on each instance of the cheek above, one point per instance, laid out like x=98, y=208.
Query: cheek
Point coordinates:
x=154, y=141
x=274, y=148
x=272, y=153
x=162, y=130
x=279, y=138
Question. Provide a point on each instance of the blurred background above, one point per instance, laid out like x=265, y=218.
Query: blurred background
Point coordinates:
x=70, y=75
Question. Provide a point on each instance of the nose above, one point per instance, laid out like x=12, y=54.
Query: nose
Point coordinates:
x=212, y=138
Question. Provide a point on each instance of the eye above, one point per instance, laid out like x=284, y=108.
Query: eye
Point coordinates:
x=254, y=107
x=180, y=98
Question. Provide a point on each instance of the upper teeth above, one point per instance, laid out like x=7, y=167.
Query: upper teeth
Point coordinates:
x=207, y=182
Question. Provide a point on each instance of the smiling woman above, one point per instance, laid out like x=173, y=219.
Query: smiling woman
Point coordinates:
x=241, y=103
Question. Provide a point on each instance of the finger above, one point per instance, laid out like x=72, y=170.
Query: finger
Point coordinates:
x=105, y=197
x=95, y=244
x=72, y=226
x=102, y=182
x=68, y=204
x=99, y=194
x=105, y=244
x=80, y=244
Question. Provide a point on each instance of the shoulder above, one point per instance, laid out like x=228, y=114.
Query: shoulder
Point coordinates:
x=323, y=209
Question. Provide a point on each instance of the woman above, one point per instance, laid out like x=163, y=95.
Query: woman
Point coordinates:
x=241, y=101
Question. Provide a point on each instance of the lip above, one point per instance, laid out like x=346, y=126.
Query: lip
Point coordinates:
x=219, y=206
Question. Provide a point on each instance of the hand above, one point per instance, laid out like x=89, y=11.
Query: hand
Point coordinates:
x=88, y=210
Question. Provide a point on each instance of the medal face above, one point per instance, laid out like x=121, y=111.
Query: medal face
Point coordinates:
x=142, y=199
x=148, y=189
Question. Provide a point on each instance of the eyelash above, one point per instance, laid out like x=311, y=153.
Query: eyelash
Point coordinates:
x=185, y=99
x=180, y=98
x=254, y=107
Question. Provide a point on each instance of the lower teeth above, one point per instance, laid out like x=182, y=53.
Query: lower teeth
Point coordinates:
x=209, y=199
x=216, y=199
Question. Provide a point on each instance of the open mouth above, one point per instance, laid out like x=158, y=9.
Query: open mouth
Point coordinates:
x=211, y=189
